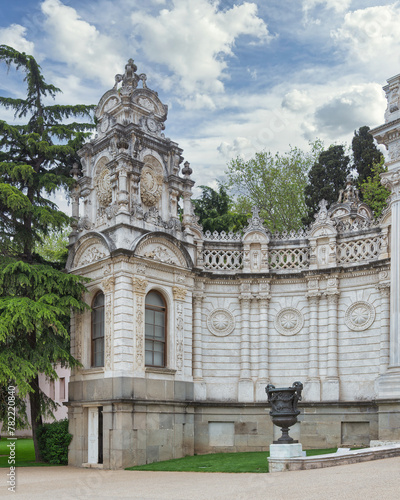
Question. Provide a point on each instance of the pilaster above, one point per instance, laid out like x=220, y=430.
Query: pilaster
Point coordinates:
x=330, y=388
x=263, y=299
x=139, y=291
x=245, y=385
x=312, y=390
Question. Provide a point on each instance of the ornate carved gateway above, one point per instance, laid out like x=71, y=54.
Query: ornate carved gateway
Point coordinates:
x=197, y=324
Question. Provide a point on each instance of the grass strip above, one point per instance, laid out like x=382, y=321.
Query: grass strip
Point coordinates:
x=252, y=461
x=24, y=453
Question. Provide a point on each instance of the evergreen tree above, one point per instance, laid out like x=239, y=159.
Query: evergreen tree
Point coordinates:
x=214, y=211
x=365, y=154
x=35, y=297
x=374, y=193
x=325, y=179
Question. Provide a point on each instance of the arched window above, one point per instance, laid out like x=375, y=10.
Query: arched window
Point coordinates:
x=155, y=330
x=98, y=330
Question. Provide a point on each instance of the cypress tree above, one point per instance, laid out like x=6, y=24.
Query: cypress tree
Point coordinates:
x=36, y=296
x=365, y=154
x=325, y=179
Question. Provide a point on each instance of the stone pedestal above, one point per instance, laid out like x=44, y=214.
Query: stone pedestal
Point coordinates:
x=280, y=454
x=285, y=450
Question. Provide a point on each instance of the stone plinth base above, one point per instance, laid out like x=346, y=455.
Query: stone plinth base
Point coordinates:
x=342, y=457
x=388, y=384
x=280, y=454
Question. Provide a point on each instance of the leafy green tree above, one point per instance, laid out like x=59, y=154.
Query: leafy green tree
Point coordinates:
x=374, y=193
x=325, y=179
x=275, y=184
x=36, y=297
x=214, y=211
x=54, y=246
x=365, y=154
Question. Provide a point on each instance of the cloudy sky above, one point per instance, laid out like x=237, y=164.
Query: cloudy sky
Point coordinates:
x=239, y=77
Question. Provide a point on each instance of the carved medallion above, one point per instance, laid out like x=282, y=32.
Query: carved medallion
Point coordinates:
x=289, y=321
x=103, y=187
x=151, y=186
x=360, y=316
x=221, y=322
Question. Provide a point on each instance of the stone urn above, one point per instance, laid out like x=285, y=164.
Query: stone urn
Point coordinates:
x=284, y=408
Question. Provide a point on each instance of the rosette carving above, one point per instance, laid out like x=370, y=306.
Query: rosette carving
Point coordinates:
x=360, y=316
x=221, y=322
x=289, y=321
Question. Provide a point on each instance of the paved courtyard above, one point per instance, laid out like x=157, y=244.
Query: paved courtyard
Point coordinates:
x=378, y=479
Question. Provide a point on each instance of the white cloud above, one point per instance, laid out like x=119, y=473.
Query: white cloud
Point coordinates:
x=14, y=36
x=79, y=44
x=358, y=106
x=296, y=100
x=193, y=38
x=336, y=5
x=371, y=37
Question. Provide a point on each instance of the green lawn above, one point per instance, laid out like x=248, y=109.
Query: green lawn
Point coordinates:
x=24, y=454
x=255, y=461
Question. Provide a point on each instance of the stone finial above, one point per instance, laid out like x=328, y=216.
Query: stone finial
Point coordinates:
x=187, y=171
x=255, y=223
x=75, y=171
x=350, y=193
x=130, y=79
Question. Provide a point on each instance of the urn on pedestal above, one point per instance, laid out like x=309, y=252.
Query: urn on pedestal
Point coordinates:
x=284, y=408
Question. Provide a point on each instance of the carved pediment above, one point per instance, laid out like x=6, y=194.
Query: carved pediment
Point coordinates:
x=161, y=251
x=255, y=237
x=90, y=251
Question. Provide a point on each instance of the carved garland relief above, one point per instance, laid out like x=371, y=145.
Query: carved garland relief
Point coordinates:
x=179, y=336
x=139, y=287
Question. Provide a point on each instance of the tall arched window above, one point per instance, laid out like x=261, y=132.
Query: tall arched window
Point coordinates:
x=98, y=330
x=155, y=330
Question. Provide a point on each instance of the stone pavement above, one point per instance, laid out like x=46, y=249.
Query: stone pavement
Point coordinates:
x=378, y=479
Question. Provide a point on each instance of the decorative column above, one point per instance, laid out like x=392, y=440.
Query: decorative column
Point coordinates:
x=108, y=289
x=330, y=388
x=384, y=289
x=245, y=386
x=179, y=297
x=187, y=194
x=263, y=349
x=200, y=389
x=391, y=180
x=388, y=384
x=313, y=386
x=139, y=290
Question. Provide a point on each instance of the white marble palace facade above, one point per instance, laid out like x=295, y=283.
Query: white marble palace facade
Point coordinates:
x=187, y=328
